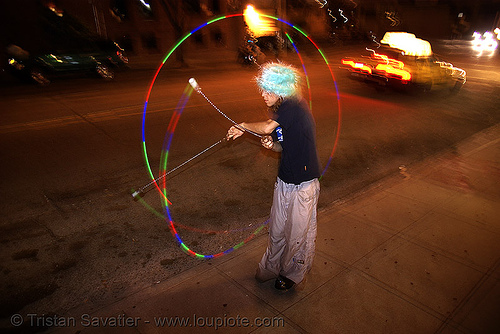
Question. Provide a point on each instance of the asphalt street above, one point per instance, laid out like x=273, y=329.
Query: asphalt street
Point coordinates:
x=72, y=153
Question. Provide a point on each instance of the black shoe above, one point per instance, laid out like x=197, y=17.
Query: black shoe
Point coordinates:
x=283, y=283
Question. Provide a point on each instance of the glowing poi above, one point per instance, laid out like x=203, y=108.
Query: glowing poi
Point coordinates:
x=177, y=114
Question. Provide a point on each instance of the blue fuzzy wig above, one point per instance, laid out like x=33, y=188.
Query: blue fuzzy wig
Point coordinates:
x=279, y=79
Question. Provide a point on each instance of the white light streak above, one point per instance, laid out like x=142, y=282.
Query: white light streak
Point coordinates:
x=342, y=14
x=321, y=3
x=484, y=43
x=145, y=4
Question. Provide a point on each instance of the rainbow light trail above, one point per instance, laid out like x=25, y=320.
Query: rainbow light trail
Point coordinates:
x=178, y=112
x=303, y=67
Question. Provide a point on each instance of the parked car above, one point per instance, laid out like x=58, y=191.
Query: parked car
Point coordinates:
x=403, y=60
x=41, y=68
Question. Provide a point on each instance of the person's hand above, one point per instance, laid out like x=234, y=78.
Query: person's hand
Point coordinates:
x=233, y=132
x=267, y=142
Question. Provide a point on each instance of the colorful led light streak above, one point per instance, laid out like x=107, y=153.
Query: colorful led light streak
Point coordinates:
x=194, y=229
x=339, y=119
x=170, y=133
x=178, y=112
x=303, y=67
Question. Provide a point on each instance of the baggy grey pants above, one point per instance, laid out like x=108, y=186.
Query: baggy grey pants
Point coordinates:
x=292, y=230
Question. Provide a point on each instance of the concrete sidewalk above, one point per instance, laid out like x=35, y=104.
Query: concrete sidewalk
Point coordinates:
x=417, y=253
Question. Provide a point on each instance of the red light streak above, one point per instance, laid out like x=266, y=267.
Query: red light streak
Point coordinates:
x=358, y=66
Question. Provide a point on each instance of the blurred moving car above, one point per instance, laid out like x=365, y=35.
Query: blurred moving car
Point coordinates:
x=52, y=42
x=402, y=60
x=40, y=68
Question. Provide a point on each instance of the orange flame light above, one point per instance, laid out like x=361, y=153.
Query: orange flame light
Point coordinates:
x=259, y=25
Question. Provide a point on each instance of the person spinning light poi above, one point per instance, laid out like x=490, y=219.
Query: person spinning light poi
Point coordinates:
x=290, y=130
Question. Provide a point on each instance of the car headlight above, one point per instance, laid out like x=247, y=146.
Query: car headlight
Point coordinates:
x=14, y=63
x=455, y=72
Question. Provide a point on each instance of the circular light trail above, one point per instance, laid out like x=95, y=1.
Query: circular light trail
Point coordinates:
x=178, y=112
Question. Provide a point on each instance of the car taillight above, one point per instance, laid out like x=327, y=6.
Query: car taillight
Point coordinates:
x=122, y=57
x=358, y=66
x=405, y=75
x=14, y=63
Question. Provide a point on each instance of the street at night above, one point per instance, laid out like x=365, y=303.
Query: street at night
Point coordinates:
x=75, y=240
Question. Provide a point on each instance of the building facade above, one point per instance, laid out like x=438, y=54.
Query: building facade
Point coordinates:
x=144, y=27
